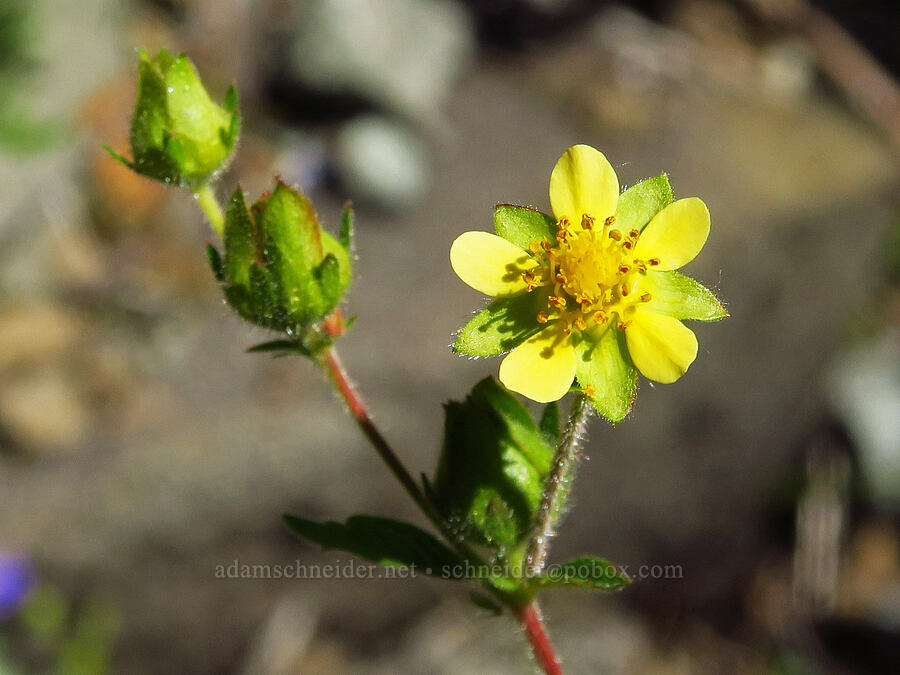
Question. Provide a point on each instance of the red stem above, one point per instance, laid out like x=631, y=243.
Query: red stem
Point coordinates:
x=530, y=617
x=361, y=415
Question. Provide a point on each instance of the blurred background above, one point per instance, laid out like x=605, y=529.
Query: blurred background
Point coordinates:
x=141, y=448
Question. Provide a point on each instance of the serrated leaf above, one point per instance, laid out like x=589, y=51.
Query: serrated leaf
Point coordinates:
x=639, y=203
x=522, y=225
x=550, y=424
x=681, y=297
x=584, y=572
x=384, y=541
x=494, y=459
x=502, y=325
x=604, y=370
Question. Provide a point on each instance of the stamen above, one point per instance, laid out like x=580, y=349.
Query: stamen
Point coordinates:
x=622, y=325
x=561, y=278
x=615, y=235
x=534, y=248
x=653, y=262
x=557, y=301
x=609, y=221
x=624, y=269
x=626, y=244
x=587, y=221
x=646, y=297
x=600, y=316
x=634, y=234
x=580, y=324
x=545, y=244
x=543, y=317
x=625, y=290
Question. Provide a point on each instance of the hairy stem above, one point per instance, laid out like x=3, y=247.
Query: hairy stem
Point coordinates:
x=206, y=200
x=557, y=486
x=358, y=409
x=530, y=618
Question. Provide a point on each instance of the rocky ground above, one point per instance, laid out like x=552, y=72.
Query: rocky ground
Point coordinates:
x=140, y=447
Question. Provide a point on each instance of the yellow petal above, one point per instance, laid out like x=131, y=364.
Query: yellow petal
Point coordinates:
x=661, y=347
x=583, y=181
x=541, y=368
x=490, y=264
x=675, y=235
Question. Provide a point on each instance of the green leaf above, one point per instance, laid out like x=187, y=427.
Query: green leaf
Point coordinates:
x=604, y=369
x=522, y=225
x=639, y=203
x=347, y=228
x=485, y=602
x=494, y=460
x=681, y=297
x=550, y=425
x=585, y=572
x=502, y=325
x=279, y=346
x=387, y=542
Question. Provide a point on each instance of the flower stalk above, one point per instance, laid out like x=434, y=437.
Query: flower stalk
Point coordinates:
x=208, y=203
x=530, y=618
x=558, y=485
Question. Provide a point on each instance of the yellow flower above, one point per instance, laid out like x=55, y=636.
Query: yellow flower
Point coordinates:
x=590, y=293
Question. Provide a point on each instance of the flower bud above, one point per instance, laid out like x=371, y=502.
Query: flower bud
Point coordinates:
x=280, y=269
x=178, y=135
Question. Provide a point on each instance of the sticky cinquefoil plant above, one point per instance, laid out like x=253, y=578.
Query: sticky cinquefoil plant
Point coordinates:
x=585, y=299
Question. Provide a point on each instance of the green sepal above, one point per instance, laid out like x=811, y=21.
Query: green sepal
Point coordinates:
x=347, y=228
x=584, y=572
x=280, y=348
x=522, y=225
x=116, y=156
x=485, y=602
x=264, y=309
x=639, y=203
x=332, y=246
x=681, y=297
x=502, y=325
x=215, y=263
x=605, y=372
x=550, y=424
x=493, y=463
x=387, y=542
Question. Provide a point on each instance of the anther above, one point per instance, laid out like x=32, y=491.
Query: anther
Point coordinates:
x=628, y=244
x=580, y=324
x=615, y=235
x=534, y=247
x=545, y=244
x=622, y=325
x=641, y=265
x=556, y=301
x=561, y=278
x=646, y=297
x=653, y=262
x=634, y=234
x=600, y=316
x=587, y=221
x=609, y=221
x=624, y=269
x=625, y=290
x=561, y=235
x=543, y=317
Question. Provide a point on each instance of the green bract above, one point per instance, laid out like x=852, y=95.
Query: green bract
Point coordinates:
x=178, y=135
x=280, y=269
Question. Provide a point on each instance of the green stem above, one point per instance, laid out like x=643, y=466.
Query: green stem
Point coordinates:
x=557, y=486
x=206, y=200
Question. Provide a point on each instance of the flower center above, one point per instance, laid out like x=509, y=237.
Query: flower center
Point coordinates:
x=592, y=271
